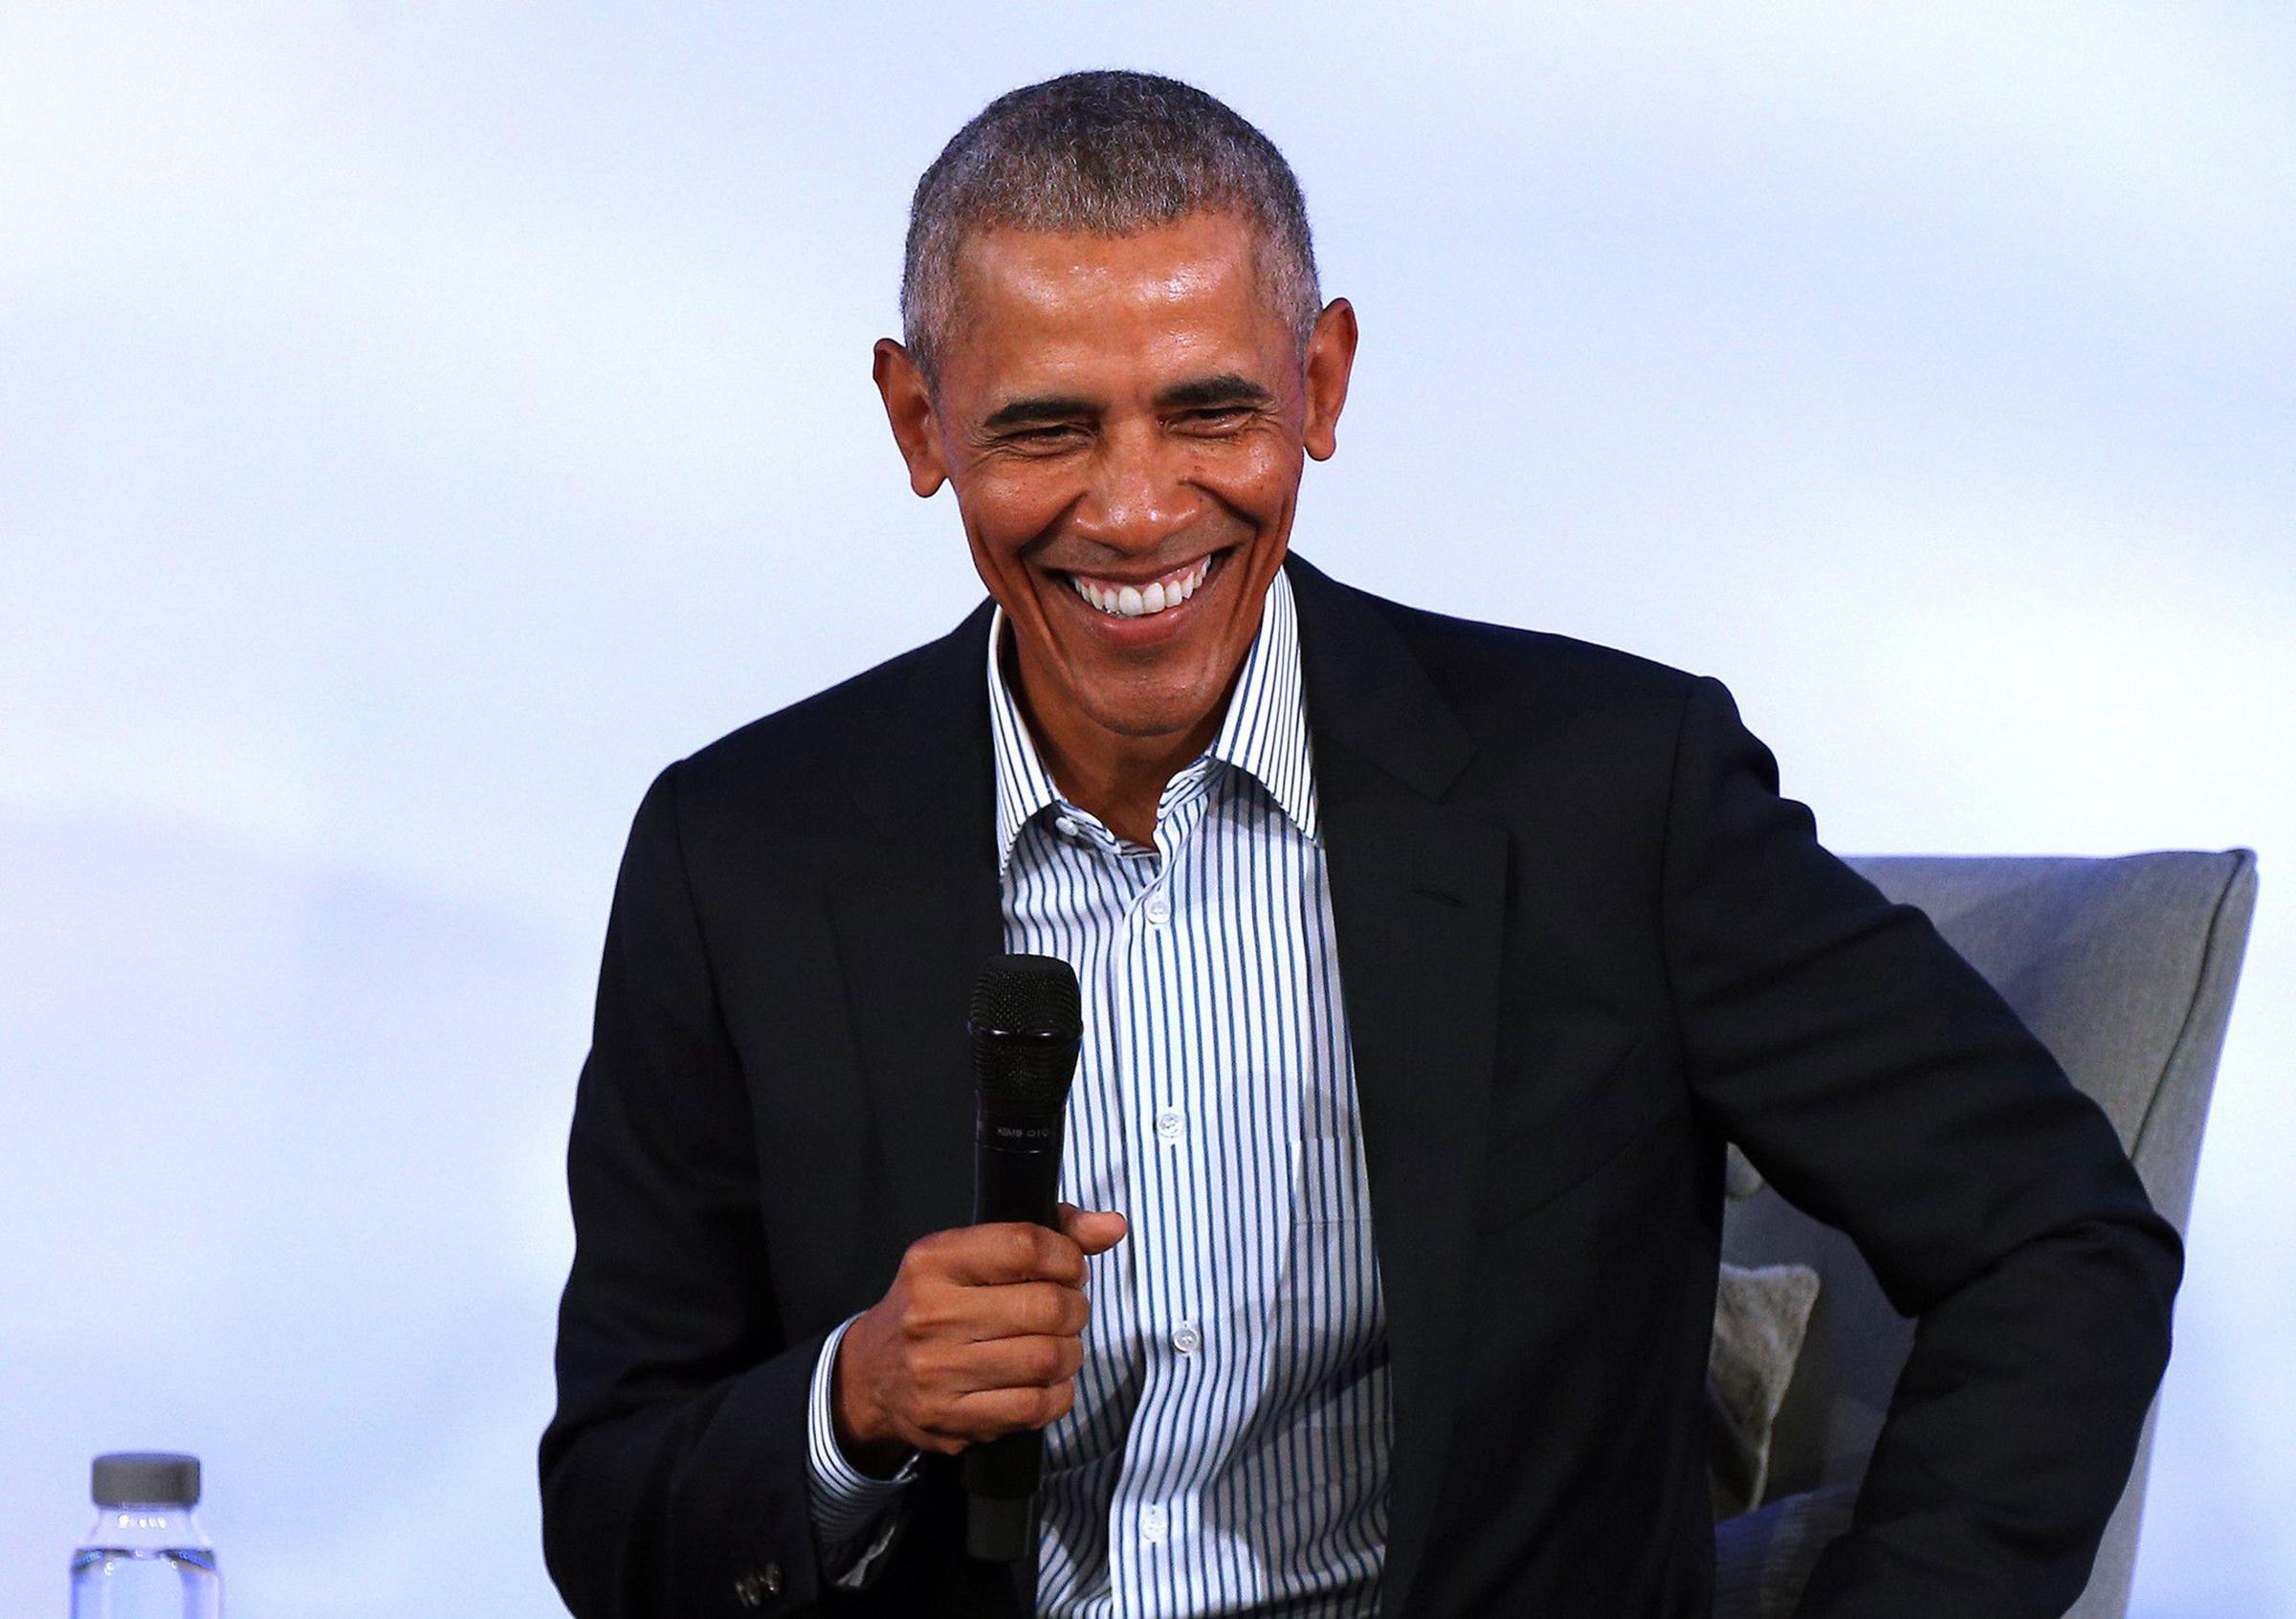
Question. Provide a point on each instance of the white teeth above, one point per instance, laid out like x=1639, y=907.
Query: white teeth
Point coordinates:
x=1130, y=600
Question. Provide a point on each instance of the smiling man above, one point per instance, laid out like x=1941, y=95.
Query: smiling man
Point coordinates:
x=1125, y=418
x=1427, y=965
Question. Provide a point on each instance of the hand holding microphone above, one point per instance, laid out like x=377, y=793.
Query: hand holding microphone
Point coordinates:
x=979, y=1336
x=976, y=1346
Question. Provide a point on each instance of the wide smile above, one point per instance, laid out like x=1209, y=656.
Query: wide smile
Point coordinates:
x=1135, y=615
x=1120, y=600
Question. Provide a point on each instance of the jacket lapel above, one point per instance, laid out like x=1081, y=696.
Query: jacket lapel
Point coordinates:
x=1418, y=886
x=917, y=912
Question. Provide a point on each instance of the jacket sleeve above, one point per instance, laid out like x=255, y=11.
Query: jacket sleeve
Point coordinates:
x=674, y=1471
x=1884, y=1087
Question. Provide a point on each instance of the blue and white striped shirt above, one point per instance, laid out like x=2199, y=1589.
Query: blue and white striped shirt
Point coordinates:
x=1228, y=1446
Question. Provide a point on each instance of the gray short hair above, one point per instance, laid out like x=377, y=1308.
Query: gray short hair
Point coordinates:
x=1105, y=153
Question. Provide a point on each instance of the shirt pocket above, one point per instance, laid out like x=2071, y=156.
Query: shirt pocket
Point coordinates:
x=1329, y=1186
x=1323, y=1321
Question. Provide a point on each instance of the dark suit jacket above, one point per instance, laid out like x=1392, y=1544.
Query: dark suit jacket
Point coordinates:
x=1584, y=942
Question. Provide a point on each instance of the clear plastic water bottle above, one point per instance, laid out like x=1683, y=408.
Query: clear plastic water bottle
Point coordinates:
x=146, y=1558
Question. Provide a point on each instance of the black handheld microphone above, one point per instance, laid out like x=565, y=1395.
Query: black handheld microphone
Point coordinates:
x=1026, y=1028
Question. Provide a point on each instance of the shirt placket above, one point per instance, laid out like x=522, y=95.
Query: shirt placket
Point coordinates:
x=1152, y=1520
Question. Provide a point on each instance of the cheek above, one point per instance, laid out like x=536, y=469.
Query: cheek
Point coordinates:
x=1256, y=474
x=1007, y=506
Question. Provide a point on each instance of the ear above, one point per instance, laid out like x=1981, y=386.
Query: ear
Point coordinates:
x=1330, y=359
x=908, y=407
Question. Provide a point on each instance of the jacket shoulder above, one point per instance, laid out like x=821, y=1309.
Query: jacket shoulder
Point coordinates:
x=801, y=762
x=1502, y=672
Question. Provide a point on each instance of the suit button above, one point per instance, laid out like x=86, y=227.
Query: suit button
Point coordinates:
x=752, y=1589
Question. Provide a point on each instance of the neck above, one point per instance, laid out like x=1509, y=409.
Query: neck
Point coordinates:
x=1123, y=784
x=1119, y=779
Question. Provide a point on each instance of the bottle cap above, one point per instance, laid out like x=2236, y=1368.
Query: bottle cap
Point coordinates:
x=145, y=1478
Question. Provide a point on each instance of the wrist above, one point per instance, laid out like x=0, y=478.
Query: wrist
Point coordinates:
x=864, y=1437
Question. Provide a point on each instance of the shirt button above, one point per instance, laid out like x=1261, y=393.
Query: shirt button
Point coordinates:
x=1158, y=910
x=1187, y=1339
x=1066, y=827
x=1169, y=1124
x=1153, y=1525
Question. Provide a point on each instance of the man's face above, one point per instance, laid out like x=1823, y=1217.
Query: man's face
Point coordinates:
x=1124, y=421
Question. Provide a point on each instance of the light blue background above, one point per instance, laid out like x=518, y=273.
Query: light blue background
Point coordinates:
x=419, y=423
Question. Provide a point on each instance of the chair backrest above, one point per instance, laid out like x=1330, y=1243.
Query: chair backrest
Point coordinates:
x=2124, y=969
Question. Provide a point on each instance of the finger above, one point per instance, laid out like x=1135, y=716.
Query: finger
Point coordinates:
x=1016, y=1362
x=1010, y=1251
x=1029, y=1310
x=996, y=1411
x=1093, y=1231
x=979, y=1314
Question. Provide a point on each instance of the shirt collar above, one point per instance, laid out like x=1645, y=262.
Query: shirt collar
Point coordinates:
x=1264, y=733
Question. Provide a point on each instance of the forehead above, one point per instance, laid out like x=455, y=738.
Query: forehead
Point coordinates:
x=1034, y=305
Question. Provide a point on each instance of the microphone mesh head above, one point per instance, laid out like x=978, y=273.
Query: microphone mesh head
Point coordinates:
x=1027, y=1019
x=1029, y=995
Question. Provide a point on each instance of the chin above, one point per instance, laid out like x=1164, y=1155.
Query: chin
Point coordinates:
x=1133, y=722
x=1162, y=716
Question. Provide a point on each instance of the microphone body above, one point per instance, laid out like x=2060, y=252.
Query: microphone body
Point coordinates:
x=1025, y=1031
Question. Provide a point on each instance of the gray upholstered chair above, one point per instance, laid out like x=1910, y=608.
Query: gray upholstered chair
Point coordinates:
x=2125, y=968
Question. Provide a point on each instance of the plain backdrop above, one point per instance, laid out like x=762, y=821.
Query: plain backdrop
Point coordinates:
x=419, y=423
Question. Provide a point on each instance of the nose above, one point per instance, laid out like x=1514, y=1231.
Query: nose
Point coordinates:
x=1135, y=497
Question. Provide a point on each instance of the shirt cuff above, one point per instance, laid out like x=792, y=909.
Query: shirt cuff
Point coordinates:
x=846, y=1501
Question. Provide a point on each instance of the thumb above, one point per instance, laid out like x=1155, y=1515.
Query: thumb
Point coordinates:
x=1095, y=1231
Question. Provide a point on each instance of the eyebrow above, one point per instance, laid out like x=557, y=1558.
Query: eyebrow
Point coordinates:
x=1227, y=388
x=1040, y=408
